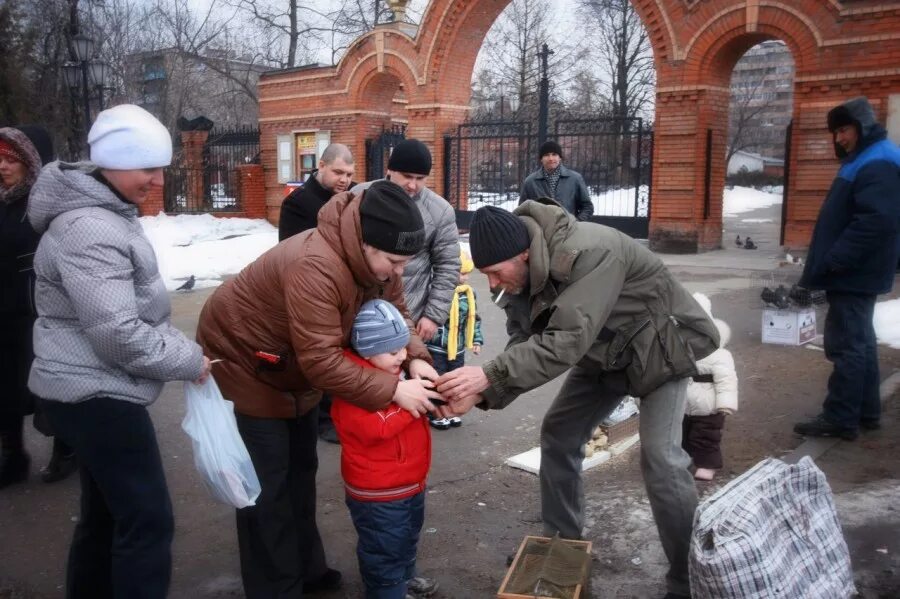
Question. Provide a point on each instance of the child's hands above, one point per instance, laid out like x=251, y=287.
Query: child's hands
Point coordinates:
x=476, y=349
x=413, y=395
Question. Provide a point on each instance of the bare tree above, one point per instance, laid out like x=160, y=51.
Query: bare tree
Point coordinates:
x=510, y=52
x=625, y=56
x=748, y=103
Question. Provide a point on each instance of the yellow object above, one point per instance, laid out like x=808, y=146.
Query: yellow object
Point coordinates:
x=453, y=326
x=466, y=264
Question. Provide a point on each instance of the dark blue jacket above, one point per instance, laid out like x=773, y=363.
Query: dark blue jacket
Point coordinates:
x=854, y=247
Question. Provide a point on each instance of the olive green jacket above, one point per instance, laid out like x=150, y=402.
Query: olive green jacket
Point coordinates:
x=599, y=300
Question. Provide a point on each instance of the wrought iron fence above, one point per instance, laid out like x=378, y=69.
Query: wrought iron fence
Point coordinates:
x=378, y=150
x=486, y=163
x=210, y=182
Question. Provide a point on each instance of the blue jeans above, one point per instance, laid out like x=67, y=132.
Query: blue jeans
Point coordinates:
x=850, y=345
x=443, y=365
x=388, y=534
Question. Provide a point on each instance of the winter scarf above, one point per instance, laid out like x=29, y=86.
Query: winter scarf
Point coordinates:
x=30, y=158
x=552, y=180
x=453, y=326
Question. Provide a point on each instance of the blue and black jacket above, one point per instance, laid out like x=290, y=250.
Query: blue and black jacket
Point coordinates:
x=854, y=248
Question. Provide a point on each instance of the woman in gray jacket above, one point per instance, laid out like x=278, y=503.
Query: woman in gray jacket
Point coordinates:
x=104, y=347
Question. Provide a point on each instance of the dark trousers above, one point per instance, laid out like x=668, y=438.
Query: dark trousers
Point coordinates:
x=16, y=401
x=443, y=365
x=122, y=542
x=278, y=538
x=388, y=535
x=850, y=345
x=701, y=438
x=324, y=414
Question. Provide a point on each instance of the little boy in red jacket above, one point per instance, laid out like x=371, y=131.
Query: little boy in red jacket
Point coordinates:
x=385, y=457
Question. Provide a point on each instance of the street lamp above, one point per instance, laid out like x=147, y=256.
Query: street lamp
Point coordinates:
x=86, y=74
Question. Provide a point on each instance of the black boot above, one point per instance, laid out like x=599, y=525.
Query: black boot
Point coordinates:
x=820, y=427
x=62, y=463
x=13, y=460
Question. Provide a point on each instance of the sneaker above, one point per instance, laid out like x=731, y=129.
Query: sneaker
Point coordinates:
x=441, y=424
x=329, y=581
x=421, y=586
x=820, y=427
x=456, y=421
x=704, y=474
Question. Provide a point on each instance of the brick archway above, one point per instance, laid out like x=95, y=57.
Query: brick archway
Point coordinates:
x=839, y=51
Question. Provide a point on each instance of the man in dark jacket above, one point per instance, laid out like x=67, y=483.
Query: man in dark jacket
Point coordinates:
x=852, y=257
x=557, y=182
x=300, y=210
x=585, y=298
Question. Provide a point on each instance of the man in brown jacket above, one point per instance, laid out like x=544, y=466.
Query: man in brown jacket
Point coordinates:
x=280, y=328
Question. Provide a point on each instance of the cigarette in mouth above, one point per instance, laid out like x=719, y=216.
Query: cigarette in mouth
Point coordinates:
x=499, y=295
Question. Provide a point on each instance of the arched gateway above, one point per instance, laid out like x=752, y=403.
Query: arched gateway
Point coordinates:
x=421, y=77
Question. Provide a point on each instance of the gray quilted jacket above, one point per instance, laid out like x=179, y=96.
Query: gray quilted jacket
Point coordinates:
x=103, y=312
x=430, y=278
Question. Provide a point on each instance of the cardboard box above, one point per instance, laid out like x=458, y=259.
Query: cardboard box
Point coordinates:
x=530, y=547
x=789, y=327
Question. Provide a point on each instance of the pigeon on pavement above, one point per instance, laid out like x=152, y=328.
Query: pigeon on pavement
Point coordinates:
x=187, y=285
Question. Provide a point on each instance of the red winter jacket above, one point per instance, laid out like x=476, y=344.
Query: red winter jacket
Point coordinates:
x=385, y=455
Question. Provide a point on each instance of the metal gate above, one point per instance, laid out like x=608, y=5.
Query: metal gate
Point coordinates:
x=210, y=182
x=378, y=150
x=486, y=163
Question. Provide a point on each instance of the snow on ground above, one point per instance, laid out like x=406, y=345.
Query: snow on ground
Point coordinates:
x=620, y=202
x=205, y=246
x=746, y=199
x=887, y=322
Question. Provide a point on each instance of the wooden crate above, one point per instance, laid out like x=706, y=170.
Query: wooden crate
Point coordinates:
x=622, y=430
x=579, y=590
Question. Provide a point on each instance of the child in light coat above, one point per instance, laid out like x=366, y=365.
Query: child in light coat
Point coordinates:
x=712, y=394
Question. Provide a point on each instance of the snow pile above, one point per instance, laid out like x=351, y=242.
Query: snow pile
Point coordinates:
x=887, y=322
x=205, y=246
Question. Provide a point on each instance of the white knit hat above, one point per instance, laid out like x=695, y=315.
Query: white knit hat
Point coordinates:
x=128, y=137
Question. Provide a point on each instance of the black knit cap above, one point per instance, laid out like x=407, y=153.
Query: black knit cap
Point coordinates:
x=410, y=156
x=840, y=117
x=496, y=235
x=390, y=220
x=550, y=147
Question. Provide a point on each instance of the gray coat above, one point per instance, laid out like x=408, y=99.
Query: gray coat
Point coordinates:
x=431, y=276
x=571, y=191
x=599, y=300
x=103, y=325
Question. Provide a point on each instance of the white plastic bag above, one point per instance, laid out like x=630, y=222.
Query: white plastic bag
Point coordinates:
x=219, y=452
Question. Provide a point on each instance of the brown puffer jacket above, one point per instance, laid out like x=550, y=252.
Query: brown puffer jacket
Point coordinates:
x=298, y=301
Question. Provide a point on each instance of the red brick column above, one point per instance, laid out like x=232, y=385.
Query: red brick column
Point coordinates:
x=252, y=190
x=192, y=143
x=153, y=205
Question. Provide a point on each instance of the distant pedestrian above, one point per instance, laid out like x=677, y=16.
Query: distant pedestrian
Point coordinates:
x=385, y=457
x=104, y=348
x=555, y=181
x=23, y=151
x=462, y=331
x=852, y=256
x=712, y=394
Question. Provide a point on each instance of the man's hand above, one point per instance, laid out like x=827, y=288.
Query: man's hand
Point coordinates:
x=462, y=383
x=420, y=369
x=476, y=349
x=458, y=407
x=413, y=394
x=204, y=374
x=426, y=328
